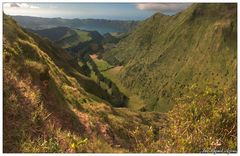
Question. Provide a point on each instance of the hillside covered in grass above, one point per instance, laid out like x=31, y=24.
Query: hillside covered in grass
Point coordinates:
x=76, y=41
x=80, y=42
x=56, y=102
x=64, y=37
x=51, y=106
x=165, y=55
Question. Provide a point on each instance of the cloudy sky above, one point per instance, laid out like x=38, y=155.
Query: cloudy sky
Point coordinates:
x=122, y=11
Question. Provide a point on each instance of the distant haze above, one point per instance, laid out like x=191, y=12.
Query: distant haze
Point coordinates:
x=100, y=25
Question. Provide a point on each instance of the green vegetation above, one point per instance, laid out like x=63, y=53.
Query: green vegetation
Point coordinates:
x=204, y=121
x=72, y=39
x=118, y=99
x=102, y=65
x=164, y=55
x=80, y=42
x=134, y=102
x=113, y=37
x=196, y=124
x=51, y=106
x=66, y=37
x=101, y=25
x=183, y=65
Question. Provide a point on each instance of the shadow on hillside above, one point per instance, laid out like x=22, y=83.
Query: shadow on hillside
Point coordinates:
x=104, y=88
x=61, y=113
x=116, y=99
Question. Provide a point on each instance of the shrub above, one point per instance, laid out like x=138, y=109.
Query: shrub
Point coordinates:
x=203, y=122
x=144, y=140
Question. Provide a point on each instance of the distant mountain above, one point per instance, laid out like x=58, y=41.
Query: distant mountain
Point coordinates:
x=165, y=55
x=100, y=25
x=69, y=38
x=79, y=42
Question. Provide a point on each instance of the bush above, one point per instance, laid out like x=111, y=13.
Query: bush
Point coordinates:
x=203, y=122
x=199, y=122
x=144, y=140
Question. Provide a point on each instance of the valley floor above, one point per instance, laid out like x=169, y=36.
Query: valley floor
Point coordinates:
x=112, y=73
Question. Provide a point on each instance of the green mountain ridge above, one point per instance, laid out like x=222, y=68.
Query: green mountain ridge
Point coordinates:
x=165, y=55
x=52, y=105
x=76, y=41
x=80, y=42
x=100, y=25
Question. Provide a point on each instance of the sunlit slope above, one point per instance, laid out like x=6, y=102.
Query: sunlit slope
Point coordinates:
x=50, y=106
x=166, y=54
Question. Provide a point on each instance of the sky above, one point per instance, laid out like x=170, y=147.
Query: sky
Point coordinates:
x=119, y=11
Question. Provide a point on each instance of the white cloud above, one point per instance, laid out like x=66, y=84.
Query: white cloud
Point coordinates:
x=164, y=7
x=19, y=5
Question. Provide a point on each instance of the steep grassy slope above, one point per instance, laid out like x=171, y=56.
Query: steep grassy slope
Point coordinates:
x=50, y=106
x=100, y=25
x=165, y=55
